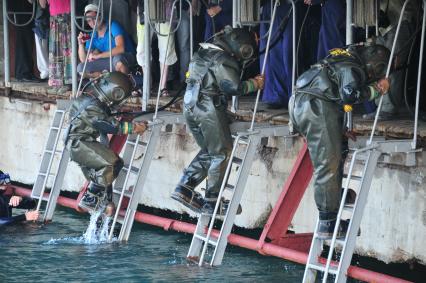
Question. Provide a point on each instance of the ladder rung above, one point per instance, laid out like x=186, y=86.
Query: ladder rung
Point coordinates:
x=45, y=174
x=54, y=128
x=356, y=178
x=127, y=193
x=237, y=160
x=134, y=143
x=331, y=270
x=349, y=207
x=120, y=219
x=134, y=169
x=204, y=239
x=229, y=186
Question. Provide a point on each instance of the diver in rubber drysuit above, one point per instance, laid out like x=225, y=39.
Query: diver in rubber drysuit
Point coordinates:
x=90, y=119
x=214, y=75
x=345, y=77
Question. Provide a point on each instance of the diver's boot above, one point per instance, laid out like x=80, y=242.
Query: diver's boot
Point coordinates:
x=188, y=197
x=93, y=197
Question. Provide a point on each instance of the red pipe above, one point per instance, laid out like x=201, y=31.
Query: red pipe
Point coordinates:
x=237, y=240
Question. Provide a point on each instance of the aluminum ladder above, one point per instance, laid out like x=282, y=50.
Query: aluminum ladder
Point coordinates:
x=204, y=235
x=129, y=184
x=370, y=155
x=47, y=170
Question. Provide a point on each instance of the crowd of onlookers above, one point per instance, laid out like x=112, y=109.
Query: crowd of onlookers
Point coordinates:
x=322, y=29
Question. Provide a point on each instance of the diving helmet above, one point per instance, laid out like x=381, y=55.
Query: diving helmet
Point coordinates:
x=112, y=88
x=240, y=42
x=375, y=58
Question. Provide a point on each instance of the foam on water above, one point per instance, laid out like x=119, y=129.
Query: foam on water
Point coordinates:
x=94, y=235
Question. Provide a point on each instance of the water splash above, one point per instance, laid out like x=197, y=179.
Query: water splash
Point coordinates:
x=97, y=234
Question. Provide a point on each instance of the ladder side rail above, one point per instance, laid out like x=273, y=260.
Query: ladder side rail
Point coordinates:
x=339, y=214
x=355, y=221
x=197, y=244
x=52, y=155
x=57, y=185
x=314, y=253
x=225, y=179
x=129, y=170
x=342, y=202
x=237, y=194
x=127, y=155
x=140, y=182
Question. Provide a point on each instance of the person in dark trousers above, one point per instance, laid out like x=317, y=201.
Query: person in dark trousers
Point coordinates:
x=24, y=41
x=214, y=75
x=9, y=200
x=91, y=119
x=345, y=77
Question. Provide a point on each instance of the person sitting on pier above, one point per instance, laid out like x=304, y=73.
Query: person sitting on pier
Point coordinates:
x=344, y=77
x=214, y=73
x=90, y=119
x=123, y=50
x=9, y=200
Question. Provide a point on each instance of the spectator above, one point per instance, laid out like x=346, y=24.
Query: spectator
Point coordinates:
x=218, y=15
x=279, y=65
x=41, y=34
x=98, y=58
x=8, y=201
x=59, y=45
x=23, y=42
x=167, y=56
x=391, y=11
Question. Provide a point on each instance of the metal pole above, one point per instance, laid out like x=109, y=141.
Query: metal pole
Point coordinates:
x=147, y=52
x=73, y=50
x=235, y=101
x=293, y=74
x=349, y=40
x=6, y=46
x=419, y=77
x=349, y=14
x=377, y=17
x=191, y=32
x=110, y=35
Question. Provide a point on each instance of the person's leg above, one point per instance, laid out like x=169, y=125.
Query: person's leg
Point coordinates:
x=332, y=31
x=196, y=171
x=123, y=62
x=321, y=124
x=214, y=126
x=100, y=164
x=23, y=52
x=167, y=53
x=42, y=56
x=183, y=39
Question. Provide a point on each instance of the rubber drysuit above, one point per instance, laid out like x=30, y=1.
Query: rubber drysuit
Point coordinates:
x=316, y=112
x=214, y=74
x=91, y=119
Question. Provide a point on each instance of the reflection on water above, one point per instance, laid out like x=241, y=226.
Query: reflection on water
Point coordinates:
x=62, y=251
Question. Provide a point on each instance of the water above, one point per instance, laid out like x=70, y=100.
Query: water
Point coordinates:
x=58, y=252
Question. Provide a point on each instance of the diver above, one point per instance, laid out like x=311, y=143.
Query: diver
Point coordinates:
x=9, y=200
x=344, y=77
x=91, y=118
x=214, y=75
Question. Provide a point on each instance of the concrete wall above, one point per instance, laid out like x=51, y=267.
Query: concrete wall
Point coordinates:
x=393, y=226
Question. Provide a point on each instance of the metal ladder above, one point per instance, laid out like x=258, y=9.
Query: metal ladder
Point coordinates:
x=131, y=179
x=46, y=171
x=204, y=235
x=370, y=155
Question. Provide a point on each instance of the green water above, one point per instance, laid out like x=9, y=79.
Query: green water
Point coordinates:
x=57, y=253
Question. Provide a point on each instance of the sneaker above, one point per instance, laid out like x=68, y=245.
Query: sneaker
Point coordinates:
x=189, y=198
x=208, y=207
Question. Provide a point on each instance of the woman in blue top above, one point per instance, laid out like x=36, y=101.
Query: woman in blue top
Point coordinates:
x=123, y=50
